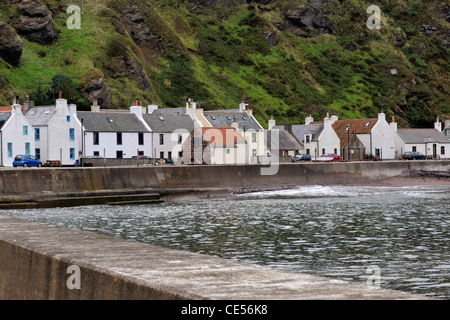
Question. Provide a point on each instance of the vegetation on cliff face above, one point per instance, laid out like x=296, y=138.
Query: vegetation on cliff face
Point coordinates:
x=286, y=58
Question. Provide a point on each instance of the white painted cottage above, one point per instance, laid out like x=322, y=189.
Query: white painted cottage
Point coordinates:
x=431, y=142
x=114, y=134
x=16, y=135
x=316, y=138
x=376, y=134
x=57, y=131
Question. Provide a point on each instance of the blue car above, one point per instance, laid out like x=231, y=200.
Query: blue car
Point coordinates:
x=26, y=160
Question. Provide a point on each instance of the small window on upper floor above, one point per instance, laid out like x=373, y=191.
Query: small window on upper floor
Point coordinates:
x=68, y=118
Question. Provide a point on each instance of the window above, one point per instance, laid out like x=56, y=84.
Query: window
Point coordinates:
x=37, y=134
x=254, y=137
x=161, y=155
x=10, y=150
x=180, y=138
x=254, y=152
x=442, y=150
x=161, y=139
x=119, y=138
x=180, y=154
x=140, y=138
x=323, y=151
x=119, y=154
x=68, y=119
x=96, y=138
x=307, y=151
x=71, y=134
x=96, y=153
x=228, y=151
x=37, y=153
x=169, y=155
x=414, y=149
x=335, y=150
x=307, y=138
x=140, y=153
x=72, y=153
x=27, y=148
x=25, y=130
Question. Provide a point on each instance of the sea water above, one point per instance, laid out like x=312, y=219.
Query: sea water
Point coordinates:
x=332, y=231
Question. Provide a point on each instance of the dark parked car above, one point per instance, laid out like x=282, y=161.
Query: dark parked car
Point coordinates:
x=26, y=160
x=414, y=156
x=301, y=157
x=168, y=160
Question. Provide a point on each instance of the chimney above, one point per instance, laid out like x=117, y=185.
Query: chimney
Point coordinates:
x=27, y=105
x=60, y=102
x=288, y=127
x=137, y=110
x=95, y=107
x=447, y=123
x=271, y=123
x=243, y=106
x=381, y=116
x=16, y=108
x=393, y=124
x=308, y=120
x=327, y=120
x=191, y=106
x=235, y=125
x=334, y=119
x=438, y=125
x=151, y=108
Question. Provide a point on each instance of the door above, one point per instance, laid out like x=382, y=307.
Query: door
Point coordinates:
x=434, y=150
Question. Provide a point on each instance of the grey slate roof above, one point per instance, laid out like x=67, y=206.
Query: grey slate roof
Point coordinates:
x=422, y=136
x=40, y=116
x=285, y=141
x=170, y=111
x=168, y=123
x=299, y=130
x=4, y=116
x=110, y=122
x=224, y=118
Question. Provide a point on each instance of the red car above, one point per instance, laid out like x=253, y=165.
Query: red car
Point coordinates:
x=330, y=157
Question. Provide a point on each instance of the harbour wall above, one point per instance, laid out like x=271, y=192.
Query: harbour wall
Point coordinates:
x=17, y=184
x=39, y=261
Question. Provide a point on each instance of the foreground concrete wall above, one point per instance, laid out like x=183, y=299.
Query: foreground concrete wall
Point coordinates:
x=23, y=181
x=41, y=261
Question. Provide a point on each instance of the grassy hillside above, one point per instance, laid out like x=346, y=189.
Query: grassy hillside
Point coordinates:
x=219, y=52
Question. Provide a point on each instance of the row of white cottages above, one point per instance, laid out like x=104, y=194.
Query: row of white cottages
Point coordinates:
x=232, y=136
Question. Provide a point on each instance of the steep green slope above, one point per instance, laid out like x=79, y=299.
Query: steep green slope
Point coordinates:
x=286, y=58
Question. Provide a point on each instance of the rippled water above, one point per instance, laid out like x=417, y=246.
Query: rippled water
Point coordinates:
x=331, y=231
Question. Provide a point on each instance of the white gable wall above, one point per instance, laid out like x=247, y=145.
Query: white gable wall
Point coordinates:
x=13, y=132
x=383, y=138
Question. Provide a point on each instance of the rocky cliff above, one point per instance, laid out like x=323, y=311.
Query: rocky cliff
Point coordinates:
x=286, y=58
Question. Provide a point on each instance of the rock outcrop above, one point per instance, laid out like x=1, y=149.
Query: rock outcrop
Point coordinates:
x=96, y=89
x=10, y=44
x=36, y=22
x=308, y=20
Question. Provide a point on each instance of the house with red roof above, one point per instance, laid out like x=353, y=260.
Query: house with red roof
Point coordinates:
x=214, y=145
x=366, y=136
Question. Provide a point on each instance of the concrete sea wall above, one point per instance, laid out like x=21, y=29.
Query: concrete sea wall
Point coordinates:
x=37, y=260
x=29, y=182
x=41, y=261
